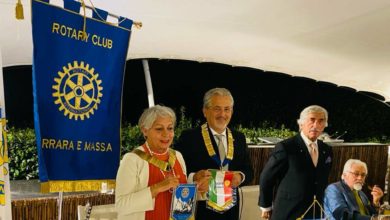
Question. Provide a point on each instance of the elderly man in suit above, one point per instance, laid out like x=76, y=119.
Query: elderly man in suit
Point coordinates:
x=345, y=199
x=215, y=146
x=299, y=167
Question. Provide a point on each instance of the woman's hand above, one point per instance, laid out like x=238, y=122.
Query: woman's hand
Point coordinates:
x=168, y=183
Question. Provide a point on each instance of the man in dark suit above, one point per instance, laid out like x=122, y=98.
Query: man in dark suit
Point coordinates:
x=300, y=166
x=202, y=151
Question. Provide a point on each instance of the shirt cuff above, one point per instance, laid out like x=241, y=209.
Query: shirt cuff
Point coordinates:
x=265, y=209
x=190, y=178
x=243, y=176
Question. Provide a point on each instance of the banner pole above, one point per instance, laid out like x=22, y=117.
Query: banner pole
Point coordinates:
x=148, y=80
x=5, y=205
x=60, y=194
x=2, y=98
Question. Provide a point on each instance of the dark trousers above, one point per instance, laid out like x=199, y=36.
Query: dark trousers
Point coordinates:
x=203, y=213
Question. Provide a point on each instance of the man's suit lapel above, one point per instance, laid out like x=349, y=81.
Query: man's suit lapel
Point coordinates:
x=201, y=144
x=365, y=200
x=322, y=155
x=351, y=198
x=304, y=151
x=215, y=146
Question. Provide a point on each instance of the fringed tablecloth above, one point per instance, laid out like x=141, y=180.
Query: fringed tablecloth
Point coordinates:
x=47, y=208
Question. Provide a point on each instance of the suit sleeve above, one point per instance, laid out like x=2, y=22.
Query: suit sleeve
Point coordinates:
x=272, y=172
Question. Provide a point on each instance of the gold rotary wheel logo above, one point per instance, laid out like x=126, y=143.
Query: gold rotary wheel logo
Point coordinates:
x=77, y=90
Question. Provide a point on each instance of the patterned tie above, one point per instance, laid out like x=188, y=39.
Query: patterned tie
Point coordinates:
x=314, y=153
x=359, y=201
x=221, y=148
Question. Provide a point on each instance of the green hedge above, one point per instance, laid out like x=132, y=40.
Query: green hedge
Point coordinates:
x=23, y=149
x=22, y=152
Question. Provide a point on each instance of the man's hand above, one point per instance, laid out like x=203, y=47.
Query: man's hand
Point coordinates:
x=266, y=214
x=237, y=178
x=377, y=194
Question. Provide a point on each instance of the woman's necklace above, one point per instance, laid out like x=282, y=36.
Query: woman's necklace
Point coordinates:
x=173, y=172
x=169, y=168
x=154, y=153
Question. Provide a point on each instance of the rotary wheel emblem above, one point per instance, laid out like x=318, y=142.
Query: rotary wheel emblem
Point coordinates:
x=77, y=90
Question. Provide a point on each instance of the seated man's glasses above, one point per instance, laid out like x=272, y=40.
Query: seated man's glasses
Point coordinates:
x=356, y=174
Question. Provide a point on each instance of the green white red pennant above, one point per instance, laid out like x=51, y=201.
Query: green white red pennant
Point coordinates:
x=221, y=194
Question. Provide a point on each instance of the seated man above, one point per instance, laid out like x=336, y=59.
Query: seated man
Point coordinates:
x=345, y=200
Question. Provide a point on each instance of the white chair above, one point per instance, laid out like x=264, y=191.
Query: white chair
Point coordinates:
x=99, y=212
x=249, y=198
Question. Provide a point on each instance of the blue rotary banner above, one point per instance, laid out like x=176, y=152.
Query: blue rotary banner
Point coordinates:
x=78, y=71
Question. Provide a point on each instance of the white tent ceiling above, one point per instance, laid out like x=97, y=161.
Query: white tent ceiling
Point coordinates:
x=344, y=42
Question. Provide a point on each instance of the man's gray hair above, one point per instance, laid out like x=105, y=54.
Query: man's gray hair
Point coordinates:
x=213, y=92
x=348, y=165
x=312, y=109
x=150, y=115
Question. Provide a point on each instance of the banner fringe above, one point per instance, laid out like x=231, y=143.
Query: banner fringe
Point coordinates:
x=76, y=185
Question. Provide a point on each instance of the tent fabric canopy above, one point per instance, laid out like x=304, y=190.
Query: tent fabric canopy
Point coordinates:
x=346, y=43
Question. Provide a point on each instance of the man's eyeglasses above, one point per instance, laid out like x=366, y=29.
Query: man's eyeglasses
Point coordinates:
x=218, y=109
x=356, y=174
